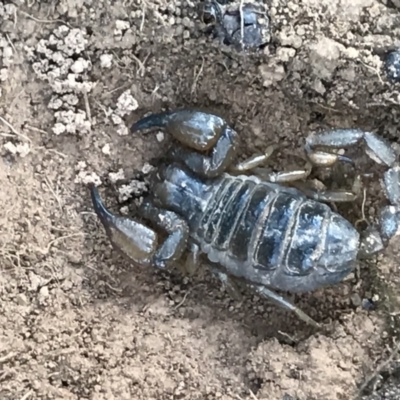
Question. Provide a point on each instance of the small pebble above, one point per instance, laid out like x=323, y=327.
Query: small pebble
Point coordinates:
x=356, y=300
x=160, y=136
x=122, y=25
x=368, y=304
x=392, y=66
x=106, y=149
x=375, y=297
x=124, y=210
x=147, y=168
x=22, y=300
x=106, y=60
x=44, y=292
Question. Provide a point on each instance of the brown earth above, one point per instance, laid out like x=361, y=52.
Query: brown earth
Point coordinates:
x=79, y=322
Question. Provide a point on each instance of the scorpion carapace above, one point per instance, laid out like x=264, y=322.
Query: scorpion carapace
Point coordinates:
x=255, y=227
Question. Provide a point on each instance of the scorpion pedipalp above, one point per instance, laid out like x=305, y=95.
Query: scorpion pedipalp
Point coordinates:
x=139, y=242
x=197, y=131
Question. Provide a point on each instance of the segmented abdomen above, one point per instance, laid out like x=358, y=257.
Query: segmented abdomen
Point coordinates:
x=263, y=225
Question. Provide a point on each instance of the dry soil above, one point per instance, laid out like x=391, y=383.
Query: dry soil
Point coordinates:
x=77, y=321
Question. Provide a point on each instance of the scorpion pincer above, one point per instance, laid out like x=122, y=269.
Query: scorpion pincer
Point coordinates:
x=255, y=227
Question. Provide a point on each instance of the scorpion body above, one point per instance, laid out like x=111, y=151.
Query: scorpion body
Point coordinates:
x=264, y=232
x=257, y=227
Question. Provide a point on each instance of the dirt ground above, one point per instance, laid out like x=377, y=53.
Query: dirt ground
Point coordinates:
x=77, y=321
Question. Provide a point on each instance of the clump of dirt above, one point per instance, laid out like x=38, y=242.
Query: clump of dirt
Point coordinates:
x=7, y=11
x=77, y=321
x=60, y=61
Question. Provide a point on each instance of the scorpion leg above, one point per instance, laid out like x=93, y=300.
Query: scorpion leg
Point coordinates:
x=335, y=196
x=253, y=164
x=283, y=176
x=230, y=286
x=282, y=302
x=177, y=229
x=198, y=131
x=132, y=238
x=227, y=282
x=192, y=260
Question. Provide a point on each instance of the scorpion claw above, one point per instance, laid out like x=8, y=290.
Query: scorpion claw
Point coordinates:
x=195, y=129
x=131, y=238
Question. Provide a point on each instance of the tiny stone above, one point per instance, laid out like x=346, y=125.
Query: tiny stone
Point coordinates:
x=126, y=103
x=22, y=300
x=106, y=60
x=122, y=130
x=367, y=304
x=116, y=119
x=285, y=53
x=115, y=176
x=124, y=210
x=106, y=149
x=349, y=277
x=44, y=292
x=3, y=74
x=160, y=136
x=10, y=147
x=122, y=25
x=147, y=168
x=392, y=66
x=59, y=128
x=80, y=66
x=375, y=298
x=88, y=177
x=356, y=300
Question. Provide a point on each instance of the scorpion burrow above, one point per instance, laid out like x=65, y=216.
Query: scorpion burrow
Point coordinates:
x=253, y=225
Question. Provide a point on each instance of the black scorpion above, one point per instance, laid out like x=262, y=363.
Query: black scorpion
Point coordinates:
x=254, y=227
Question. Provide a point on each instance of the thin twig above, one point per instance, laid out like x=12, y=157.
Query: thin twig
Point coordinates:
x=143, y=17
x=32, y=128
x=288, y=336
x=11, y=43
x=87, y=106
x=46, y=251
x=47, y=181
x=197, y=76
x=380, y=367
x=183, y=300
x=252, y=395
x=14, y=130
x=51, y=151
x=241, y=24
x=363, y=218
x=142, y=68
x=373, y=69
x=15, y=99
x=7, y=357
x=26, y=395
x=118, y=290
x=45, y=21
